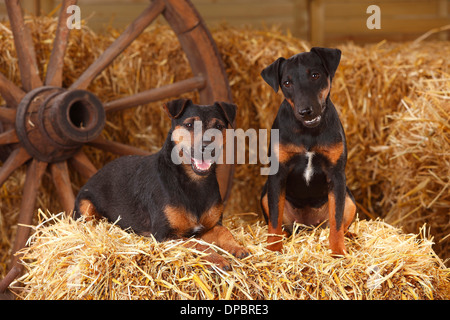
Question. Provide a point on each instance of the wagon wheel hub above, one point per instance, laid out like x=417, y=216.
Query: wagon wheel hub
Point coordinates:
x=53, y=123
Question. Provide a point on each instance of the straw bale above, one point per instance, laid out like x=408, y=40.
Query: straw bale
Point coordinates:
x=368, y=88
x=69, y=259
x=417, y=154
x=394, y=105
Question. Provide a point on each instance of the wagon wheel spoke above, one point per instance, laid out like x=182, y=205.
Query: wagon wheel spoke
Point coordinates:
x=35, y=172
x=17, y=158
x=83, y=165
x=23, y=42
x=8, y=137
x=10, y=92
x=56, y=62
x=61, y=180
x=117, y=147
x=156, y=94
x=120, y=44
x=7, y=114
x=10, y=276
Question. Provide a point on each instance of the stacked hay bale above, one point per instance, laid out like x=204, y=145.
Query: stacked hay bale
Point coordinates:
x=395, y=108
x=417, y=157
x=70, y=259
x=393, y=99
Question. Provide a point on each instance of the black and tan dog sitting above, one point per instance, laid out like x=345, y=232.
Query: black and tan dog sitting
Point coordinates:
x=310, y=186
x=153, y=195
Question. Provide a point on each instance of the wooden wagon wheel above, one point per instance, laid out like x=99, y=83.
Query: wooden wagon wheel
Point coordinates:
x=45, y=125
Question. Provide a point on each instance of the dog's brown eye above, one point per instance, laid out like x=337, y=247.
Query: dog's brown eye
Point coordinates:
x=315, y=76
x=219, y=126
x=287, y=83
x=188, y=125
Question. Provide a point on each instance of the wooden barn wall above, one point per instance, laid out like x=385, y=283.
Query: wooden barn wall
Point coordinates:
x=323, y=22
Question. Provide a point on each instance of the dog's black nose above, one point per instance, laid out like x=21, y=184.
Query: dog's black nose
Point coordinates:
x=305, y=112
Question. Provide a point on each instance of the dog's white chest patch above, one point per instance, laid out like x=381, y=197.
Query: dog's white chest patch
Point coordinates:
x=197, y=229
x=309, y=170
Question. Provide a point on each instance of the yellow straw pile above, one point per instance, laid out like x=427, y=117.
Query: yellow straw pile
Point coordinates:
x=70, y=259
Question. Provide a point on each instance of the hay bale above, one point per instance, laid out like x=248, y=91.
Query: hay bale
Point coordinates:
x=69, y=259
x=417, y=155
x=368, y=88
x=394, y=105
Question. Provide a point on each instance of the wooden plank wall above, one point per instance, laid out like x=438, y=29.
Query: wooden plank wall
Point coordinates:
x=323, y=22
x=339, y=21
x=288, y=14
x=100, y=14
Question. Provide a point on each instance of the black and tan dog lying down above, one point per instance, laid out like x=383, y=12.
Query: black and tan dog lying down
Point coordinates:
x=155, y=196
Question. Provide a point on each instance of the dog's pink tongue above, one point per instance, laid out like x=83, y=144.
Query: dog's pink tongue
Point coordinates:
x=202, y=165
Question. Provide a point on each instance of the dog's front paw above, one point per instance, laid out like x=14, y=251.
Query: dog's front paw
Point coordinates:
x=219, y=261
x=239, y=252
x=274, y=243
x=338, y=251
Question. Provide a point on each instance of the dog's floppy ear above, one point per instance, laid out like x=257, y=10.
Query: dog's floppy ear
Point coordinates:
x=271, y=74
x=330, y=58
x=229, y=110
x=175, y=108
